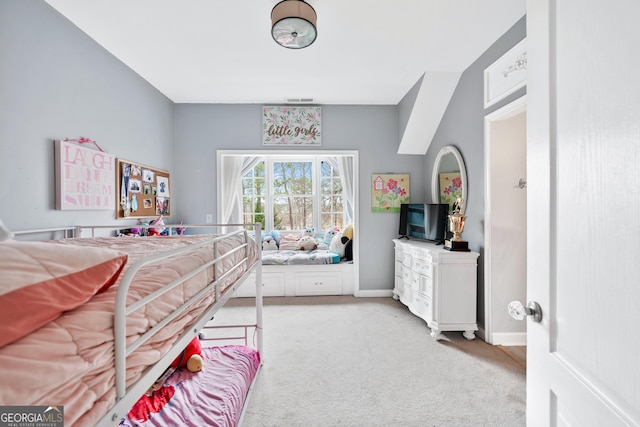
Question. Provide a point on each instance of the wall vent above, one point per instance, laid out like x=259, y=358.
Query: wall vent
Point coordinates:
x=299, y=100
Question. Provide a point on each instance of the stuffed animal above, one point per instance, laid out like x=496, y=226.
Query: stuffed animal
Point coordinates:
x=269, y=244
x=191, y=357
x=156, y=231
x=307, y=243
x=328, y=236
x=309, y=231
x=338, y=244
x=348, y=245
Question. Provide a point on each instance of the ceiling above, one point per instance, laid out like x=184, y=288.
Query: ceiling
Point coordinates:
x=368, y=52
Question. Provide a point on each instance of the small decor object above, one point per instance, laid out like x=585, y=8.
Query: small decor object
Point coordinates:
x=456, y=226
x=291, y=125
x=293, y=24
x=389, y=191
x=85, y=178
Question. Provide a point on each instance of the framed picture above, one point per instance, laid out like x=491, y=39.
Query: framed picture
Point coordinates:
x=147, y=175
x=135, y=186
x=506, y=75
x=162, y=206
x=291, y=125
x=88, y=184
x=389, y=191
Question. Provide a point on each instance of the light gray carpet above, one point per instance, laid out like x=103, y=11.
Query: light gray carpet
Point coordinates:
x=345, y=361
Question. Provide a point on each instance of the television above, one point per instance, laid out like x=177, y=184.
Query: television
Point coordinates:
x=425, y=221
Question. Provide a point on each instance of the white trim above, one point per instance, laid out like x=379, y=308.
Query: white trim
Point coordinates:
x=374, y=293
x=509, y=338
x=503, y=113
x=508, y=83
x=356, y=192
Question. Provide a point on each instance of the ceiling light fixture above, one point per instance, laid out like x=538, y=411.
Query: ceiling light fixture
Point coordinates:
x=293, y=24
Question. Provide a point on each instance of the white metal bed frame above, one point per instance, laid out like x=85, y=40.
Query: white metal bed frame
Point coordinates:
x=126, y=398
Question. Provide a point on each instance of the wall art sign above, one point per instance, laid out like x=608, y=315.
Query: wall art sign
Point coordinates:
x=85, y=178
x=291, y=125
x=389, y=191
x=506, y=75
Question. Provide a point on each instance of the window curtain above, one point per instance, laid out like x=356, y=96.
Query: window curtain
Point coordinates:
x=233, y=168
x=344, y=165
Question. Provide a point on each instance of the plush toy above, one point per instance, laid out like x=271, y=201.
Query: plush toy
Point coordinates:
x=269, y=244
x=328, y=236
x=348, y=245
x=307, y=243
x=191, y=357
x=338, y=244
x=156, y=231
x=309, y=231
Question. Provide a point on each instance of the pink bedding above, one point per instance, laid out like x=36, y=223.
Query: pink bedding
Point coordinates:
x=212, y=397
x=70, y=361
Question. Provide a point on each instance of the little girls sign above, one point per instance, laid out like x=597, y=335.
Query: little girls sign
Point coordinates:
x=291, y=125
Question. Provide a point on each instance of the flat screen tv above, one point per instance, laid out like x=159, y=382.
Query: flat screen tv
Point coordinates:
x=425, y=221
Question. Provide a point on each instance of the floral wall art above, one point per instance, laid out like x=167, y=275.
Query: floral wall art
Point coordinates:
x=450, y=187
x=389, y=191
x=291, y=125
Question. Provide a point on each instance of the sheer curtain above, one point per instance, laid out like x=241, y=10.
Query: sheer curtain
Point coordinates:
x=344, y=165
x=233, y=168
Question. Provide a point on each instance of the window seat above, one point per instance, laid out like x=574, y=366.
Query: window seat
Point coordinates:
x=304, y=280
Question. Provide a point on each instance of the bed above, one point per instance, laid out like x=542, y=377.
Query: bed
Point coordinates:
x=89, y=323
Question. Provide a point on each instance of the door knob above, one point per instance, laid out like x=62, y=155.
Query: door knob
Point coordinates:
x=519, y=312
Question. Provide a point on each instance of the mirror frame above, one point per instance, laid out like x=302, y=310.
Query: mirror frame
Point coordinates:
x=435, y=179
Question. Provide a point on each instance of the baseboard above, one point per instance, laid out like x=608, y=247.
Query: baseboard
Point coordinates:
x=509, y=338
x=374, y=293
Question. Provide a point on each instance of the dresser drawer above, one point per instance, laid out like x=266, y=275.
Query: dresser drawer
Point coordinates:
x=423, y=284
x=423, y=267
x=423, y=305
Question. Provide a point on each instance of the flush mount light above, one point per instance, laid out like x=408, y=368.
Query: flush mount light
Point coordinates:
x=293, y=24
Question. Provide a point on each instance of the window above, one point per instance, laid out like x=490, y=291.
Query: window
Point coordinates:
x=292, y=193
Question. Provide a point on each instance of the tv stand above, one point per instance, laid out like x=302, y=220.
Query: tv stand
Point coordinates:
x=437, y=285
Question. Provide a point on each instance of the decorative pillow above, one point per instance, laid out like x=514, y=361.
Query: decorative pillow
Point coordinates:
x=289, y=242
x=41, y=280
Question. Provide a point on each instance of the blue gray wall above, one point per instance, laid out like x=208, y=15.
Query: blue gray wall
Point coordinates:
x=372, y=130
x=463, y=126
x=56, y=83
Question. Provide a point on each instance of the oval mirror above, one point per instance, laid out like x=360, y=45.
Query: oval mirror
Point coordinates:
x=449, y=179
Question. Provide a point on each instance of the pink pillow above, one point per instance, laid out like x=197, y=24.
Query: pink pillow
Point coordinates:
x=289, y=242
x=41, y=280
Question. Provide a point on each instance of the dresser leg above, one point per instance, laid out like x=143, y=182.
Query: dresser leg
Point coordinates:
x=435, y=334
x=470, y=335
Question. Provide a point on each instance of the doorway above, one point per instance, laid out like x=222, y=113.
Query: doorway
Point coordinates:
x=505, y=260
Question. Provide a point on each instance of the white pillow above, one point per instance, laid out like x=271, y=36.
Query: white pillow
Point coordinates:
x=5, y=234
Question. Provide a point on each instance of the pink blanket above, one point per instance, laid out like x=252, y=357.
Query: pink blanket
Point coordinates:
x=70, y=361
x=212, y=397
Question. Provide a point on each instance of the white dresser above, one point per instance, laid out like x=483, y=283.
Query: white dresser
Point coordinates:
x=437, y=285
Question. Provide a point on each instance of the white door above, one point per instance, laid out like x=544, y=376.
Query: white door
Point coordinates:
x=583, y=163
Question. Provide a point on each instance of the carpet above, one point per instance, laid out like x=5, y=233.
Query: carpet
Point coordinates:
x=346, y=361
